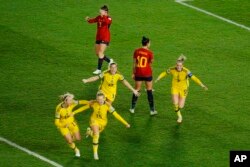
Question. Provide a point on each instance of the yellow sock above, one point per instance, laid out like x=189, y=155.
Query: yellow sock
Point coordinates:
x=178, y=113
x=72, y=145
x=95, y=143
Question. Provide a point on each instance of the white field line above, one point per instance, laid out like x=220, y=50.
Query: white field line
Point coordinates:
x=182, y=2
x=30, y=152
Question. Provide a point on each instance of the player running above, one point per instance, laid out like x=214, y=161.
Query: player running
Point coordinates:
x=99, y=120
x=142, y=71
x=65, y=122
x=180, y=84
x=102, y=36
x=109, y=80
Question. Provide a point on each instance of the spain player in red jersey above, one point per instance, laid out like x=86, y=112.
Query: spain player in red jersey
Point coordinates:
x=102, y=36
x=142, y=71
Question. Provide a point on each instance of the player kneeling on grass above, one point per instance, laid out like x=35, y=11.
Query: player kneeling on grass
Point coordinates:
x=64, y=119
x=99, y=120
x=180, y=84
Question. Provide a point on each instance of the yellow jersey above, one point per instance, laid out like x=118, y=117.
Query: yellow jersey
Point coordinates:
x=100, y=112
x=109, y=82
x=180, y=78
x=64, y=115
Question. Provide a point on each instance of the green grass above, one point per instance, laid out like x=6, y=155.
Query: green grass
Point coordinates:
x=47, y=48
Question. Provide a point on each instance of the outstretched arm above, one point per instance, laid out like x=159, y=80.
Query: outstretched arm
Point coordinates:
x=91, y=79
x=119, y=118
x=81, y=109
x=196, y=80
x=162, y=75
x=127, y=84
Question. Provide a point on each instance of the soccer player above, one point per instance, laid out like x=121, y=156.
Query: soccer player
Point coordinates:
x=142, y=71
x=65, y=122
x=102, y=36
x=109, y=82
x=99, y=120
x=180, y=84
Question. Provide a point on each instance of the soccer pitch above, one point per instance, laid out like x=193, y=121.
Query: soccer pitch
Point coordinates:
x=47, y=48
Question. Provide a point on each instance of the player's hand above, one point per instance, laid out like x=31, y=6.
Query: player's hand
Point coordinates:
x=84, y=80
x=133, y=76
x=136, y=93
x=204, y=87
x=127, y=126
x=156, y=80
x=87, y=18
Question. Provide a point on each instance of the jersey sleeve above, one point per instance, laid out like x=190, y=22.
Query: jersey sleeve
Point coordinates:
x=107, y=19
x=93, y=20
x=121, y=77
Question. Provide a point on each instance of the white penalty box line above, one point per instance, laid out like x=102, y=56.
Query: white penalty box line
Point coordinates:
x=30, y=152
x=182, y=2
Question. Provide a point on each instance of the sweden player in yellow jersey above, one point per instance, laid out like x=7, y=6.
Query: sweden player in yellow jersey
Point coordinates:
x=109, y=82
x=65, y=122
x=99, y=120
x=180, y=84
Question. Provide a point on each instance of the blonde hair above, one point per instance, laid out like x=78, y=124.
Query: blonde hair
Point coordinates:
x=100, y=93
x=65, y=96
x=181, y=59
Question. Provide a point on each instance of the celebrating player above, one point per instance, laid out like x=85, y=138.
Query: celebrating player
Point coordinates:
x=142, y=71
x=109, y=82
x=64, y=119
x=102, y=36
x=99, y=120
x=180, y=84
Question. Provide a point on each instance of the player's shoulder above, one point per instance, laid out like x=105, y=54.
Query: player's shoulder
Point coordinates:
x=59, y=106
x=186, y=70
x=171, y=69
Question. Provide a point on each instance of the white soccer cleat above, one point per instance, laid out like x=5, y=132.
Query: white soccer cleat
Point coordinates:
x=132, y=111
x=179, y=120
x=96, y=72
x=153, y=113
x=77, y=152
x=96, y=156
x=111, y=61
x=89, y=132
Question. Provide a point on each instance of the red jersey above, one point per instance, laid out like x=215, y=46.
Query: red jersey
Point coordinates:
x=143, y=59
x=103, y=24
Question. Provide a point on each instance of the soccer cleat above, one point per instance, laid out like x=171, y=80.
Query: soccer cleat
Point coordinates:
x=96, y=156
x=96, y=72
x=132, y=111
x=77, y=152
x=179, y=120
x=153, y=113
x=89, y=132
x=111, y=61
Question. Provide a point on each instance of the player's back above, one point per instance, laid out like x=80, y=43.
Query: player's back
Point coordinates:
x=143, y=58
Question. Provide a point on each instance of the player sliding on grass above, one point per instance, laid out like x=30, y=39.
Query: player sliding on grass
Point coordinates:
x=99, y=120
x=65, y=122
x=102, y=36
x=180, y=84
x=142, y=71
x=109, y=82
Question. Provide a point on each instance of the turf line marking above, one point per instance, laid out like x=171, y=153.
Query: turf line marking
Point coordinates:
x=30, y=152
x=182, y=2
